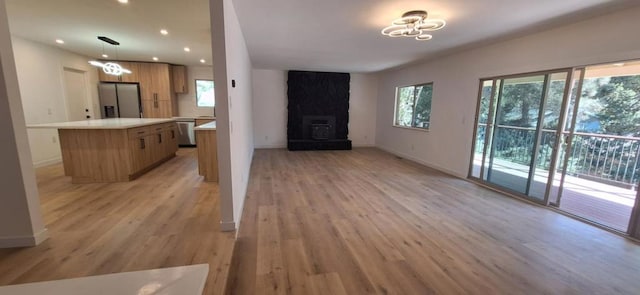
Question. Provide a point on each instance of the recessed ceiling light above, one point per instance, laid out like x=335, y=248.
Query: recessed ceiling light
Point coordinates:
x=187, y=49
x=619, y=64
x=203, y=61
x=155, y=58
x=105, y=56
x=164, y=32
x=59, y=41
x=123, y=1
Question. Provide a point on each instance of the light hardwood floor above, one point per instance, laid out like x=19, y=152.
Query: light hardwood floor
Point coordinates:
x=366, y=222
x=167, y=217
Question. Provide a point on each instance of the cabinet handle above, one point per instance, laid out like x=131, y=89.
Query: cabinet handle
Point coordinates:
x=155, y=102
x=173, y=134
x=183, y=89
x=142, y=145
x=159, y=138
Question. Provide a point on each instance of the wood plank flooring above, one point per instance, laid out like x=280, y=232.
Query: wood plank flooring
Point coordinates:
x=168, y=217
x=366, y=222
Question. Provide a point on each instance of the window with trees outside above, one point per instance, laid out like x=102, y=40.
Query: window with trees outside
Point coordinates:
x=413, y=106
x=205, y=96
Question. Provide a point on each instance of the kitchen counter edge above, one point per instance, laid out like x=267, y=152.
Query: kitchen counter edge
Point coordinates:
x=113, y=123
x=207, y=126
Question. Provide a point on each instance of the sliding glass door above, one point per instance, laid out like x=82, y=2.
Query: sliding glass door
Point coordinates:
x=516, y=132
x=567, y=138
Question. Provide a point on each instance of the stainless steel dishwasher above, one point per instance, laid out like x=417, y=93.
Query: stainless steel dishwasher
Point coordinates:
x=186, y=135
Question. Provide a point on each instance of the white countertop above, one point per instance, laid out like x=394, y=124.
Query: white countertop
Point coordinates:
x=183, y=280
x=112, y=123
x=195, y=117
x=208, y=126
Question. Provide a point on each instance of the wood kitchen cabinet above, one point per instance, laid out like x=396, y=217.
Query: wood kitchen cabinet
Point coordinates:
x=156, y=80
x=156, y=91
x=179, y=76
x=113, y=152
x=151, y=145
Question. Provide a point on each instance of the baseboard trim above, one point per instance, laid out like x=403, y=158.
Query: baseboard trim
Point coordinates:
x=421, y=162
x=272, y=146
x=24, y=241
x=227, y=225
x=47, y=162
x=362, y=145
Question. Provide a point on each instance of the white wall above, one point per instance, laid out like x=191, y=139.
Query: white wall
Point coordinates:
x=187, y=102
x=41, y=77
x=362, y=109
x=21, y=221
x=270, y=108
x=447, y=145
x=235, y=126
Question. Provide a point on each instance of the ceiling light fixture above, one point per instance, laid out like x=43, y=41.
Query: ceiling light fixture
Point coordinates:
x=110, y=68
x=155, y=58
x=123, y=1
x=59, y=41
x=203, y=61
x=187, y=49
x=414, y=24
x=105, y=56
x=164, y=32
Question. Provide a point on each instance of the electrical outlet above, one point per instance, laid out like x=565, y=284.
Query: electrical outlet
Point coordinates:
x=49, y=112
x=412, y=147
x=266, y=138
x=54, y=139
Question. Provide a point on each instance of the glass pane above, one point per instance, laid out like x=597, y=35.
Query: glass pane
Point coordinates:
x=423, y=105
x=481, y=128
x=404, y=106
x=554, y=194
x=604, y=162
x=490, y=130
x=547, y=140
x=205, y=94
x=517, y=117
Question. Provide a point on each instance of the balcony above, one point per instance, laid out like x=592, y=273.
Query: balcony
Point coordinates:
x=602, y=171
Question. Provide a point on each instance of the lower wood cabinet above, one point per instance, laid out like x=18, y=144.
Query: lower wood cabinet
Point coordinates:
x=207, y=143
x=116, y=155
x=152, y=144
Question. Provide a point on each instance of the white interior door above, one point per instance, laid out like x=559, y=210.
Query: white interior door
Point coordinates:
x=75, y=94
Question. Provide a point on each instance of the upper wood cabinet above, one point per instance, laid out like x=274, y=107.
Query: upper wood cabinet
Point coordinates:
x=133, y=67
x=179, y=75
x=156, y=89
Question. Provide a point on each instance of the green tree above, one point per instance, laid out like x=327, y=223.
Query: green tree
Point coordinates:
x=620, y=99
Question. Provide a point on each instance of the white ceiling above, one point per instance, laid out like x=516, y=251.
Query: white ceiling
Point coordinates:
x=324, y=35
x=135, y=25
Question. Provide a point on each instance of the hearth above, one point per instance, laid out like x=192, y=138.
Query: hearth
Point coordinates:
x=318, y=111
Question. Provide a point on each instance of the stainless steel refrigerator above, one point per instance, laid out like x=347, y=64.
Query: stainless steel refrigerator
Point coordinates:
x=120, y=100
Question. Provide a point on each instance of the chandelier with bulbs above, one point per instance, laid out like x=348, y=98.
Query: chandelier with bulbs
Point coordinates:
x=414, y=24
x=110, y=68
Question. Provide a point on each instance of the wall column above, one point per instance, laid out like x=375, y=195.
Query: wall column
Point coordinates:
x=21, y=222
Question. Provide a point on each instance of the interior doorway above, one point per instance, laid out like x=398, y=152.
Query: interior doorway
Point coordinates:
x=75, y=85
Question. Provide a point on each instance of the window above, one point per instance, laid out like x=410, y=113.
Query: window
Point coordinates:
x=413, y=106
x=205, y=96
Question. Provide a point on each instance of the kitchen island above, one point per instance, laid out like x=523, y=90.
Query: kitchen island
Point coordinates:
x=206, y=142
x=114, y=150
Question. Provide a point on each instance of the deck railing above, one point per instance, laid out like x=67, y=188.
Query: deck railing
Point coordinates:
x=606, y=158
